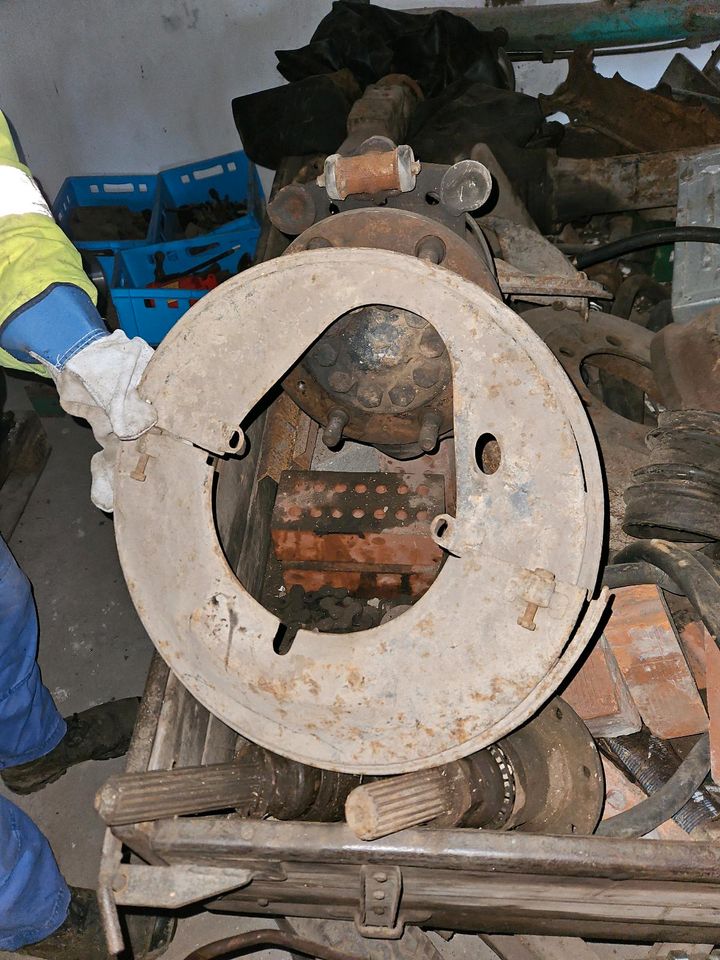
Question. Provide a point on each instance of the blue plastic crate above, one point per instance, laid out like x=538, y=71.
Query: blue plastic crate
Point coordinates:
x=136, y=191
x=231, y=174
x=150, y=312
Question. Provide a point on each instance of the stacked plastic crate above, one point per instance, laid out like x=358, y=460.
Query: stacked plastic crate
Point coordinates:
x=192, y=236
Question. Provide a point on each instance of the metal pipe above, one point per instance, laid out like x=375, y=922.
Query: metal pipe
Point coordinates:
x=560, y=27
x=256, y=940
x=497, y=852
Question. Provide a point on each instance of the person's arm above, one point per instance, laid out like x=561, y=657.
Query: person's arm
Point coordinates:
x=49, y=324
x=47, y=302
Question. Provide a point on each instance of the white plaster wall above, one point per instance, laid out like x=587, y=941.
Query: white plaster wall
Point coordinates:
x=122, y=86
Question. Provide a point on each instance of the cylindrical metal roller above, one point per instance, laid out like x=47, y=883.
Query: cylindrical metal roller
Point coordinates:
x=546, y=777
x=377, y=809
x=257, y=783
x=134, y=797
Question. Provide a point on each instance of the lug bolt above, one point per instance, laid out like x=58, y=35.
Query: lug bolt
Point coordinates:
x=332, y=434
x=429, y=431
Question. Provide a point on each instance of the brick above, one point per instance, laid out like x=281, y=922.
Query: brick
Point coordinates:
x=600, y=696
x=642, y=636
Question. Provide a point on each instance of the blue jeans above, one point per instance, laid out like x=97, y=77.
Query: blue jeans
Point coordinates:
x=34, y=897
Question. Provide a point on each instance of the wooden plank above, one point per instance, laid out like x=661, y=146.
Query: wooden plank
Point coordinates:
x=181, y=729
x=712, y=661
x=526, y=947
x=642, y=637
x=693, y=638
x=220, y=742
x=599, y=695
x=693, y=951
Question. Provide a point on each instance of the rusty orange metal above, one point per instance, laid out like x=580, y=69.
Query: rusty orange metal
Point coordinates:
x=366, y=532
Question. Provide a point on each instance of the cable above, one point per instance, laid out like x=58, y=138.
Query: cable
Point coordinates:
x=694, y=576
x=665, y=802
x=256, y=940
x=649, y=238
x=649, y=762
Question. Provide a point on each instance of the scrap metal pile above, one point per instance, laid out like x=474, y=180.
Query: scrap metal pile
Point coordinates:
x=430, y=517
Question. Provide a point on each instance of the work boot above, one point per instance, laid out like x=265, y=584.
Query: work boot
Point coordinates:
x=81, y=937
x=99, y=733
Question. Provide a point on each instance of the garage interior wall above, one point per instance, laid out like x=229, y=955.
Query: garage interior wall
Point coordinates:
x=101, y=86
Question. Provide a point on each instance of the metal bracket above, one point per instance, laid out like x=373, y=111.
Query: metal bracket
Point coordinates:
x=536, y=589
x=378, y=916
x=169, y=887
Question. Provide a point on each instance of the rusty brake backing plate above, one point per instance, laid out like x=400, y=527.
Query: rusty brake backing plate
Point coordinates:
x=511, y=609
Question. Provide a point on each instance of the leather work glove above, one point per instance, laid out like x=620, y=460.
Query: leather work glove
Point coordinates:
x=99, y=383
x=49, y=324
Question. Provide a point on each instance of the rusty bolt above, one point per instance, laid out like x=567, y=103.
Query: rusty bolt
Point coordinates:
x=431, y=343
x=325, y=354
x=427, y=375
x=139, y=472
x=429, y=431
x=369, y=395
x=402, y=395
x=318, y=243
x=340, y=381
x=413, y=320
x=431, y=249
x=332, y=434
x=292, y=210
x=527, y=618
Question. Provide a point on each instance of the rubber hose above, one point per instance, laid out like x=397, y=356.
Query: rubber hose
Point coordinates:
x=665, y=802
x=650, y=762
x=697, y=582
x=630, y=574
x=649, y=238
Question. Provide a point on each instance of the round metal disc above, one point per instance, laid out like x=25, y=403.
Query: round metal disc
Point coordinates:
x=455, y=672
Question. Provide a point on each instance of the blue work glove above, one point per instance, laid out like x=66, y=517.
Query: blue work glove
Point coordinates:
x=96, y=373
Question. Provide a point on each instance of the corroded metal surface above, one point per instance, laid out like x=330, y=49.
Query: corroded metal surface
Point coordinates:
x=623, y=348
x=526, y=285
x=384, y=370
x=554, y=27
x=372, y=172
x=635, y=118
x=373, y=528
x=455, y=672
x=546, y=777
x=686, y=363
x=384, y=110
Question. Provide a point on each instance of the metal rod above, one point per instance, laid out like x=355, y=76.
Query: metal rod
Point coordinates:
x=513, y=853
x=567, y=26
